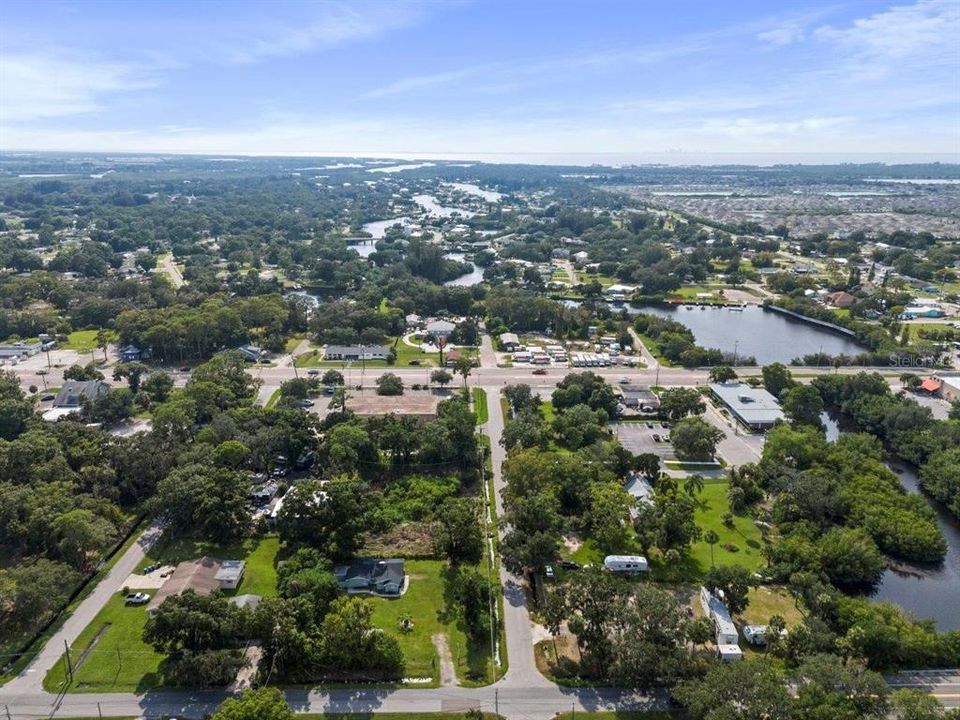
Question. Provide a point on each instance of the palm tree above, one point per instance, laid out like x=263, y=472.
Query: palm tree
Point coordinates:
x=693, y=485
x=711, y=538
x=102, y=342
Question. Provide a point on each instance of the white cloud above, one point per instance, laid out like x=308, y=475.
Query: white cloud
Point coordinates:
x=420, y=82
x=329, y=25
x=928, y=29
x=783, y=35
x=34, y=85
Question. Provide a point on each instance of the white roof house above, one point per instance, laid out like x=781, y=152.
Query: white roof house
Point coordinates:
x=714, y=608
x=440, y=328
x=230, y=574
x=754, y=407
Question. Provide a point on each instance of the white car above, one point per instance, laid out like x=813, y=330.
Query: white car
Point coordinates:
x=140, y=598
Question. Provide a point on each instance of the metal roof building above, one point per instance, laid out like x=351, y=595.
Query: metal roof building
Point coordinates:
x=753, y=407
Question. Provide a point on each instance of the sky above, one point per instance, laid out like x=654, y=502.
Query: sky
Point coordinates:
x=464, y=78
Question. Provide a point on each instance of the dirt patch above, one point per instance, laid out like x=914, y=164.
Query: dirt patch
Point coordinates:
x=448, y=673
x=558, y=656
x=408, y=540
x=572, y=542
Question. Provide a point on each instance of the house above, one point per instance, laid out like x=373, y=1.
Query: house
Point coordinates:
x=70, y=400
x=251, y=353
x=366, y=575
x=355, y=352
x=640, y=398
x=441, y=329
x=412, y=320
x=559, y=254
x=509, y=341
x=19, y=350
x=931, y=386
x=840, y=299
x=200, y=576
x=581, y=256
x=912, y=312
x=131, y=353
x=754, y=408
x=230, y=574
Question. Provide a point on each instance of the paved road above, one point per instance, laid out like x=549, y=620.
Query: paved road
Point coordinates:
x=522, y=671
x=173, y=272
x=31, y=679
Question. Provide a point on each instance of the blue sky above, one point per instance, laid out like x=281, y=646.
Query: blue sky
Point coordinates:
x=437, y=78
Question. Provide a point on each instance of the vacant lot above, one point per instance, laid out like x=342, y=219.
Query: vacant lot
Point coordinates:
x=741, y=544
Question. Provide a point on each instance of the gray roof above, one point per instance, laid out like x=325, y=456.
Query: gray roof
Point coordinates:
x=230, y=570
x=374, y=571
x=754, y=406
x=356, y=350
x=441, y=326
x=72, y=391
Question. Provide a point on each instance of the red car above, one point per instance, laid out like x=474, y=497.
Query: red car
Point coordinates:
x=539, y=371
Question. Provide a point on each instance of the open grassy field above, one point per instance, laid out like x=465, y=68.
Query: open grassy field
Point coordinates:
x=426, y=603
x=744, y=534
x=85, y=341
x=110, y=655
x=272, y=400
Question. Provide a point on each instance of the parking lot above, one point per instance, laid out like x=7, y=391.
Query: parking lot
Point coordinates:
x=638, y=438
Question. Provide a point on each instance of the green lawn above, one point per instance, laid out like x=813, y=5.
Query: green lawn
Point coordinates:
x=766, y=602
x=480, y=405
x=744, y=534
x=259, y=575
x=425, y=602
x=85, y=341
x=549, y=413
x=136, y=667
x=119, y=661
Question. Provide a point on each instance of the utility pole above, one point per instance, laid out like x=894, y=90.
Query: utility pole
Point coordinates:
x=99, y=711
x=496, y=701
x=69, y=662
x=7, y=708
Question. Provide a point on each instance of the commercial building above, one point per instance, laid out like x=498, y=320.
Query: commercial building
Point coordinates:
x=355, y=352
x=949, y=386
x=19, y=350
x=640, y=397
x=754, y=408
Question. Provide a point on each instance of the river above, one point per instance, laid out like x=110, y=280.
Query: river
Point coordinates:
x=925, y=591
x=471, y=189
x=432, y=207
x=474, y=277
x=753, y=331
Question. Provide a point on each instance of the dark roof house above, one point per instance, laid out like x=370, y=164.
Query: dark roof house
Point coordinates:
x=380, y=577
x=73, y=392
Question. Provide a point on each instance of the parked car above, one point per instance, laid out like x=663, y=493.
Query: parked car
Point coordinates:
x=140, y=598
x=649, y=426
x=624, y=380
x=48, y=397
x=656, y=437
x=305, y=403
x=184, y=368
x=569, y=565
x=666, y=425
x=549, y=573
x=540, y=371
x=150, y=568
x=313, y=372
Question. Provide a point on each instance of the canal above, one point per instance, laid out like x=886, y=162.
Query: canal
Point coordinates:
x=924, y=590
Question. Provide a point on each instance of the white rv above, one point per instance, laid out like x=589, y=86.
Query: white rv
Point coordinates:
x=626, y=564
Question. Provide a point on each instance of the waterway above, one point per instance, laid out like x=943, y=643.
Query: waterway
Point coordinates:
x=925, y=591
x=471, y=189
x=432, y=207
x=753, y=331
x=474, y=277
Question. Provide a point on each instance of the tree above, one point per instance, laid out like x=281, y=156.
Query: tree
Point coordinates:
x=722, y=374
x=231, y=454
x=914, y=704
x=350, y=642
x=648, y=465
x=736, y=691
x=441, y=377
x=677, y=403
x=262, y=704
x=81, y=534
x=777, y=378
x=734, y=581
x=695, y=439
x=850, y=557
x=711, y=538
x=460, y=537
x=389, y=384
x=103, y=341
x=463, y=366
x=133, y=371
x=208, y=501
x=157, y=385
x=82, y=373
x=332, y=378
x=803, y=405
x=112, y=406
x=472, y=592
x=332, y=518
x=608, y=514
x=693, y=485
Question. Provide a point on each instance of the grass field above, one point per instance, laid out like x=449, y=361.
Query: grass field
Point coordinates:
x=548, y=412
x=119, y=661
x=744, y=534
x=426, y=603
x=766, y=602
x=480, y=405
x=85, y=341
x=272, y=400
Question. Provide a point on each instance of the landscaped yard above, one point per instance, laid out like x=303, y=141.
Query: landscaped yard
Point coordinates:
x=765, y=602
x=424, y=602
x=259, y=575
x=744, y=534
